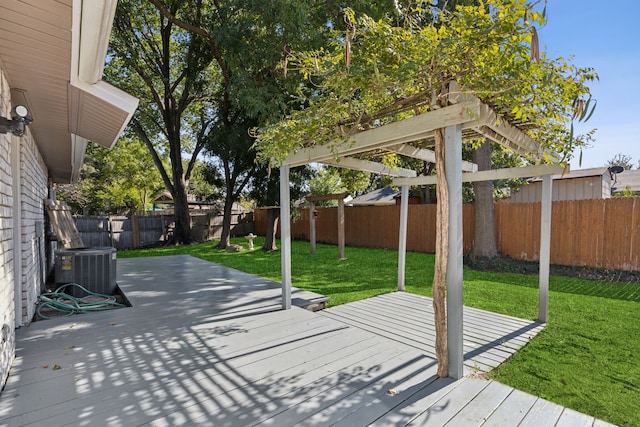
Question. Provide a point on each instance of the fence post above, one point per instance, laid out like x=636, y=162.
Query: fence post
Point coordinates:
x=110, y=232
x=341, y=236
x=135, y=231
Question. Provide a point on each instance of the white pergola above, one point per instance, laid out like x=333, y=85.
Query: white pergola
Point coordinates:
x=465, y=118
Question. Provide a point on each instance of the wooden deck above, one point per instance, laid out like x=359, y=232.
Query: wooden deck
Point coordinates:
x=207, y=345
x=489, y=339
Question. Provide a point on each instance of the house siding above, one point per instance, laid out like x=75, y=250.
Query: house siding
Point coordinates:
x=7, y=301
x=23, y=186
x=584, y=188
x=33, y=191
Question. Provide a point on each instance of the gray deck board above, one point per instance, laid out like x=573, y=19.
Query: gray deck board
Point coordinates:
x=207, y=345
x=482, y=406
x=405, y=318
x=513, y=409
x=542, y=413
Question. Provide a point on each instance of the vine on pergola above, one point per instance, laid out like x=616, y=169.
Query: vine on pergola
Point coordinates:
x=376, y=73
x=379, y=73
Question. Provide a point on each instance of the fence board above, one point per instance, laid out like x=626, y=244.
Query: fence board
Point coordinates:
x=116, y=231
x=601, y=233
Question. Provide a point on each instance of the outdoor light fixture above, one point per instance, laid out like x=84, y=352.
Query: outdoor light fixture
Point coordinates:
x=16, y=125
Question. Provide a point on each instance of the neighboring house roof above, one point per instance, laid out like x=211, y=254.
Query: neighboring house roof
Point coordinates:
x=630, y=178
x=381, y=196
x=53, y=54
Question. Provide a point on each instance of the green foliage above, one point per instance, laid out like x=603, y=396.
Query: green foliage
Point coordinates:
x=625, y=193
x=205, y=183
x=620, y=159
x=331, y=180
x=375, y=73
x=123, y=177
x=325, y=181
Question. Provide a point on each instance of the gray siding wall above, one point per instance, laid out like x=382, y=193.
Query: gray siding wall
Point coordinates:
x=7, y=301
x=33, y=192
x=23, y=186
x=591, y=187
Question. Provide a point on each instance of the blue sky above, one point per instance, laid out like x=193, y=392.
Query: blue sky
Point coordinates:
x=606, y=36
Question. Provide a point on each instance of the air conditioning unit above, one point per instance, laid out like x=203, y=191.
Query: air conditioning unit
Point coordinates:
x=92, y=268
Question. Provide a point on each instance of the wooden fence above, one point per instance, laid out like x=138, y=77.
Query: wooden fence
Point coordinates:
x=123, y=232
x=590, y=233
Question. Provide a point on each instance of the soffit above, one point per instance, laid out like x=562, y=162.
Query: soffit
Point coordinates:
x=37, y=56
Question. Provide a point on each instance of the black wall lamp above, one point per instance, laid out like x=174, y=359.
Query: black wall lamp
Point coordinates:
x=16, y=125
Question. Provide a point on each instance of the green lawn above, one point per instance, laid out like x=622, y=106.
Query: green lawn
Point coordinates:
x=587, y=358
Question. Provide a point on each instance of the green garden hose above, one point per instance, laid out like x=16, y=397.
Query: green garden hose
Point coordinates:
x=68, y=305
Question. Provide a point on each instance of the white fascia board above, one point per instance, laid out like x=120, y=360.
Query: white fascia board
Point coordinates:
x=369, y=166
x=111, y=95
x=91, y=29
x=490, y=175
x=411, y=129
x=78, y=148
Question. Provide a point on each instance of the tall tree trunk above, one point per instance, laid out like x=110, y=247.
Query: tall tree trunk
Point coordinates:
x=442, y=255
x=484, y=240
x=272, y=226
x=181, y=217
x=226, y=220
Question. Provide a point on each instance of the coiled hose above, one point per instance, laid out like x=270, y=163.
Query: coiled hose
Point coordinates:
x=68, y=305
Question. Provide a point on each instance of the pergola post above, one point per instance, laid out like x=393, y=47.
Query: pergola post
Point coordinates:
x=312, y=228
x=312, y=221
x=453, y=172
x=341, y=235
x=285, y=236
x=402, y=244
x=545, y=249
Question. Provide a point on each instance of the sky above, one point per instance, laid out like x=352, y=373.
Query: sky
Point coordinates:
x=604, y=35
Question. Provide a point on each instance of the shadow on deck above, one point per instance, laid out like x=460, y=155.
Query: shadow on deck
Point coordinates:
x=207, y=345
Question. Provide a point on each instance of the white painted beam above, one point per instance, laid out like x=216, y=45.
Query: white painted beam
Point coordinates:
x=545, y=249
x=285, y=237
x=402, y=243
x=490, y=175
x=369, y=166
x=411, y=129
x=453, y=172
x=312, y=228
x=425, y=155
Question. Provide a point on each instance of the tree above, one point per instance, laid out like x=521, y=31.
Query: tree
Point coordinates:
x=167, y=68
x=332, y=180
x=484, y=239
x=250, y=43
x=264, y=189
x=378, y=73
x=124, y=176
x=620, y=159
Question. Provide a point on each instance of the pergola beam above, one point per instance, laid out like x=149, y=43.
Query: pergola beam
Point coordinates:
x=411, y=129
x=369, y=166
x=508, y=133
x=426, y=155
x=489, y=175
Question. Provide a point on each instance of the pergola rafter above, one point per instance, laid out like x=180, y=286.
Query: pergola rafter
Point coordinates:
x=466, y=118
